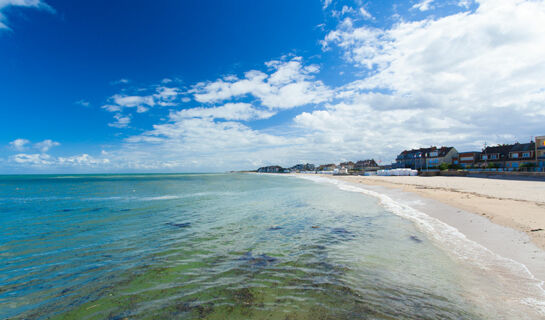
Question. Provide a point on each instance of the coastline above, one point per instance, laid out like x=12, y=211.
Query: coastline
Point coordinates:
x=490, y=249
x=514, y=204
x=504, y=233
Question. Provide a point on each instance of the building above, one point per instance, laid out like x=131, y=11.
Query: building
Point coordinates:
x=425, y=158
x=347, y=165
x=467, y=159
x=327, y=167
x=495, y=156
x=540, y=152
x=414, y=158
x=439, y=156
x=363, y=165
x=521, y=154
x=271, y=169
x=303, y=167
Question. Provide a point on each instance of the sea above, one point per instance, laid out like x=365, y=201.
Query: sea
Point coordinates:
x=240, y=246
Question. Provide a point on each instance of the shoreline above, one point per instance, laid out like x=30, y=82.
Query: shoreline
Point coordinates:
x=492, y=250
x=515, y=204
x=508, y=240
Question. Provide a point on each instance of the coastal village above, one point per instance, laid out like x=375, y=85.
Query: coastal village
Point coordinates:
x=516, y=157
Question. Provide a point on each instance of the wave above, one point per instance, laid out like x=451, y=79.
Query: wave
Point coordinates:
x=456, y=243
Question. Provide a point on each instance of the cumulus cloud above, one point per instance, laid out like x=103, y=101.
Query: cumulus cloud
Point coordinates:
x=229, y=111
x=423, y=5
x=450, y=80
x=19, y=144
x=161, y=96
x=32, y=159
x=290, y=84
x=45, y=145
x=121, y=121
x=81, y=160
x=459, y=80
x=21, y=3
x=46, y=161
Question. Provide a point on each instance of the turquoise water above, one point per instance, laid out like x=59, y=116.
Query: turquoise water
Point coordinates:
x=217, y=246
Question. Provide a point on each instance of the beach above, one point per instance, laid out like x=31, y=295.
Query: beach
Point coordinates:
x=516, y=204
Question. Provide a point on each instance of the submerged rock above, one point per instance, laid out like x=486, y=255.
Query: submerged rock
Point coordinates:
x=340, y=231
x=179, y=225
x=275, y=228
x=415, y=239
x=261, y=260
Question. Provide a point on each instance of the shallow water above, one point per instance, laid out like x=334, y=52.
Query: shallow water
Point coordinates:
x=234, y=246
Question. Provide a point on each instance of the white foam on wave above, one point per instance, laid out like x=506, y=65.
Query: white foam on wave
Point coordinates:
x=159, y=198
x=162, y=197
x=532, y=294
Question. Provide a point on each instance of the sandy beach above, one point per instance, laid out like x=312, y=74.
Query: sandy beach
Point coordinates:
x=516, y=204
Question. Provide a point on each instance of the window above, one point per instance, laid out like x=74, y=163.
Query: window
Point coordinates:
x=526, y=155
x=514, y=155
x=433, y=154
x=484, y=157
x=493, y=156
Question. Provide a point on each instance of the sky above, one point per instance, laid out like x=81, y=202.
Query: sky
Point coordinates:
x=211, y=86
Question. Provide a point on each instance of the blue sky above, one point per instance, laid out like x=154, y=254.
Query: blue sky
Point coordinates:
x=141, y=86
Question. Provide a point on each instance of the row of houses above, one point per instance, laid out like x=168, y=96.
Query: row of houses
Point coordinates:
x=343, y=167
x=507, y=156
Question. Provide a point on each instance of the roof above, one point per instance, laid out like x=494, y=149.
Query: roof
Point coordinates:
x=409, y=154
x=443, y=151
x=368, y=162
x=501, y=149
x=469, y=152
x=523, y=147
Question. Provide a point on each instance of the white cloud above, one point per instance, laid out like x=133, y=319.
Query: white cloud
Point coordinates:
x=163, y=96
x=346, y=9
x=326, y=3
x=21, y=3
x=451, y=80
x=45, y=145
x=289, y=85
x=81, y=160
x=120, y=81
x=458, y=80
x=366, y=13
x=46, y=161
x=229, y=111
x=32, y=159
x=19, y=144
x=423, y=5
x=83, y=103
x=132, y=101
x=122, y=121
x=465, y=3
